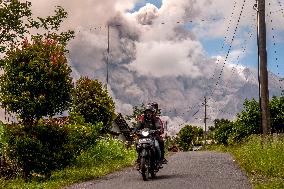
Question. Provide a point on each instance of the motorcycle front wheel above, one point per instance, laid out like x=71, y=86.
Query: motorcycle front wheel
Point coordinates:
x=152, y=170
x=144, y=168
x=153, y=174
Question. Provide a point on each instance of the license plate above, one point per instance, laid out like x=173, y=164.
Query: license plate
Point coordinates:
x=144, y=140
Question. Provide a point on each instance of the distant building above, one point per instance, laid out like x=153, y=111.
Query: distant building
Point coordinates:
x=121, y=129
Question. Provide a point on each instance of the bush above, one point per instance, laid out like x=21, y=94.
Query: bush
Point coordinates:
x=171, y=144
x=105, y=151
x=223, y=132
x=8, y=168
x=247, y=123
x=48, y=146
x=276, y=108
x=187, y=136
x=93, y=102
x=1, y=137
x=105, y=156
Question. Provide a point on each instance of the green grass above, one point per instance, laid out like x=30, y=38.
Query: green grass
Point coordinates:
x=262, y=160
x=106, y=156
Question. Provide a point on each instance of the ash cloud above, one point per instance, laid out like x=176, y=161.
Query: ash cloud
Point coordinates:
x=154, y=55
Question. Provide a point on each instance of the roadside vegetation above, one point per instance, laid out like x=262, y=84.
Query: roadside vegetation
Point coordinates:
x=61, y=135
x=262, y=158
x=188, y=137
x=106, y=156
x=45, y=149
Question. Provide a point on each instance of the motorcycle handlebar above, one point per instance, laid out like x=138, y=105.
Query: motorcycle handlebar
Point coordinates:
x=139, y=132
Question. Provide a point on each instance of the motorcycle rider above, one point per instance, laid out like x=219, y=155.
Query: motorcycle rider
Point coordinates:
x=148, y=120
x=160, y=138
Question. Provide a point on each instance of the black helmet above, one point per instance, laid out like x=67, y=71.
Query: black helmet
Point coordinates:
x=155, y=105
x=150, y=108
x=149, y=112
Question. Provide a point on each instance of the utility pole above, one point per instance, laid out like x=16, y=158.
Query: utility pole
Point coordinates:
x=108, y=52
x=107, y=64
x=264, y=93
x=205, y=117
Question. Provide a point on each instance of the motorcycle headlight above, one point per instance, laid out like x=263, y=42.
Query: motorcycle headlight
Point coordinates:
x=145, y=133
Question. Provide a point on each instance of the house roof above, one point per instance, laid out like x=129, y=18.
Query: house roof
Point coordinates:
x=123, y=127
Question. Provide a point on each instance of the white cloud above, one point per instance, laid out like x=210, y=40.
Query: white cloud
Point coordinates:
x=168, y=58
x=84, y=13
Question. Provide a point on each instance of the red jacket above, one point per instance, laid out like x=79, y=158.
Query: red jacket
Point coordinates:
x=141, y=119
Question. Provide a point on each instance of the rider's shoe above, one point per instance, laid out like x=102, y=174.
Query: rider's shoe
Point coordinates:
x=137, y=166
x=160, y=165
x=164, y=161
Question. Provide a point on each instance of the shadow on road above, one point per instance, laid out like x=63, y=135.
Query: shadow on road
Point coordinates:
x=173, y=176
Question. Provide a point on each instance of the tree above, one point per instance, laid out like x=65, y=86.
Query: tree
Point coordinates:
x=12, y=26
x=92, y=101
x=247, y=123
x=249, y=118
x=36, y=80
x=223, y=130
x=276, y=106
x=16, y=21
x=188, y=136
x=29, y=70
x=219, y=122
x=137, y=111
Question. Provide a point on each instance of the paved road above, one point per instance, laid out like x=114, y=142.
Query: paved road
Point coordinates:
x=185, y=170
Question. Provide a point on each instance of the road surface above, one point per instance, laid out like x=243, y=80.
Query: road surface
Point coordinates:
x=185, y=170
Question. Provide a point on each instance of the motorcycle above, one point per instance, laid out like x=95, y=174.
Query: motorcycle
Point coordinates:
x=148, y=155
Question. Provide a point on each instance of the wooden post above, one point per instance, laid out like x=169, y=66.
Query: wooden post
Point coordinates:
x=263, y=69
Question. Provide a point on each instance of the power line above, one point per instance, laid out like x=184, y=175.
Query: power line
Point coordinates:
x=224, y=41
x=222, y=48
x=282, y=11
x=244, y=48
x=184, y=22
x=230, y=47
x=234, y=68
x=238, y=61
x=281, y=7
x=275, y=51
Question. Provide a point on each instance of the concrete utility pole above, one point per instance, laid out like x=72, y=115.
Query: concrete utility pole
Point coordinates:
x=107, y=54
x=263, y=69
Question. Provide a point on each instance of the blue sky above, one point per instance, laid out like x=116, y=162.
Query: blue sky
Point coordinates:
x=141, y=3
x=212, y=46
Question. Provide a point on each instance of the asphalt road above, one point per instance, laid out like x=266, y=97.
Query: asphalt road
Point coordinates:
x=185, y=170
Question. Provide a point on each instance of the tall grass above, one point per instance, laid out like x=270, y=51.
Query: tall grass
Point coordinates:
x=106, y=156
x=262, y=159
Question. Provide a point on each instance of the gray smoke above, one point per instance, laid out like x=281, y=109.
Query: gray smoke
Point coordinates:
x=156, y=54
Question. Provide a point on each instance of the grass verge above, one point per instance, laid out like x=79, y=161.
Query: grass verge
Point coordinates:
x=261, y=158
x=106, y=156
